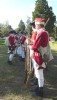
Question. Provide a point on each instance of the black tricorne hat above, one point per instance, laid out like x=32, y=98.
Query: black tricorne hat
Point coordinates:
x=12, y=31
x=32, y=23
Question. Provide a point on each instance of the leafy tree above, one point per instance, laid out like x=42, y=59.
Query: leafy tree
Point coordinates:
x=43, y=10
x=28, y=26
x=55, y=30
x=4, y=29
x=21, y=26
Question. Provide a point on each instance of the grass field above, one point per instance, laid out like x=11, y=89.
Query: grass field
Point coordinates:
x=2, y=42
x=53, y=45
x=12, y=78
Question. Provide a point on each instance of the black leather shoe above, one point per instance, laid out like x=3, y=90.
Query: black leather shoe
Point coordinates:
x=35, y=92
x=9, y=62
x=41, y=91
x=38, y=92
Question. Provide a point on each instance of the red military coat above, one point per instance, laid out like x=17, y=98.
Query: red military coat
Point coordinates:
x=42, y=40
x=33, y=38
x=23, y=38
x=12, y=40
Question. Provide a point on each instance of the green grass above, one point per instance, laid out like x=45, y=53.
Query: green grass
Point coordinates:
x=12, y=77
x=2, y=42
x=53, y=45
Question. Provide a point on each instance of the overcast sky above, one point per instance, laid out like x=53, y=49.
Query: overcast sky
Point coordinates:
x=13, y=11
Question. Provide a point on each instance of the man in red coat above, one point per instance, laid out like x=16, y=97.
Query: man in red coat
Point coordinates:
x=34, y=33
x=11, y=45
x=41, y=40
x=16, y=43
x=22, y=45
x=30, y=41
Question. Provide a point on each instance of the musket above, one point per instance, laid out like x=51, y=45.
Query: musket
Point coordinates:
x=46, y=22
x=27, y=65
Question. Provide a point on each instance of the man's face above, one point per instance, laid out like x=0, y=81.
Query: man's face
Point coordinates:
x=37, y=26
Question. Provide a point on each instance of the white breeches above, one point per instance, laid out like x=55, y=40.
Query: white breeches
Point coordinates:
x=21, y=51
x=38, y=73
x=23, y=54
x=15, y=51
x=11, y=57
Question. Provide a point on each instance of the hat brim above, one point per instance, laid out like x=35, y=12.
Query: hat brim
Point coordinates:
x=37, y=23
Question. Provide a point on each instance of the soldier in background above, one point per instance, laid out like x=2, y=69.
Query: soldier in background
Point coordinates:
x=34, y=80
x=23, y=46
x=11, y=46
x=30, y=78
